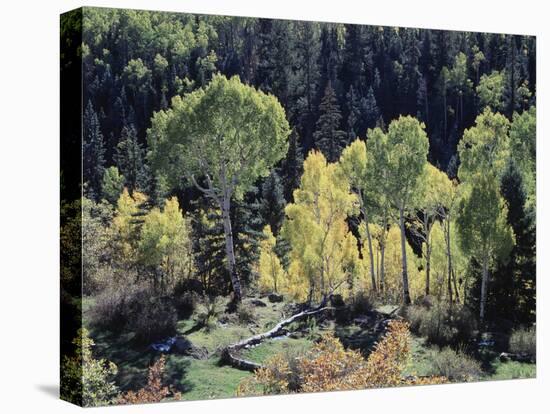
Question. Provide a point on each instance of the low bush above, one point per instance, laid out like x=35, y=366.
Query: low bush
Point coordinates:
x=136, y=309
x=524, y=341
x=211, y=311
x=361, y=304
x=245, y=314
x=442, y=324
x=454, y=365
x=328, y=366
x=110, y=308
x=185, y=303
x=154, y=391
x=151, y=318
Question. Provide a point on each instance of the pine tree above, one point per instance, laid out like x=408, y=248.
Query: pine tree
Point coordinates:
x=372, y=112
x=293, y=166
x=329, y=138
x=518, y=287
x=130, y=160
x=272, y=203
x=354, y=51
x=93, y=153
x=248, y=231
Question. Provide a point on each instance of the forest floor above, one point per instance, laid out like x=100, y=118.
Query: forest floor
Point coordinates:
x=204, y=377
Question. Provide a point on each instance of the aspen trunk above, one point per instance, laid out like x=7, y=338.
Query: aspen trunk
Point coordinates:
x=406, y=294
x=449, y=259
x=382, y=254
x=230, y=252
x=484, y=286
x=428, y=254
x=371, y=256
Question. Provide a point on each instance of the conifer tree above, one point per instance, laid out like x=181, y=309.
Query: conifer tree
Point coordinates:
x=130, y=159
x=329, y=138
x=272, y=204
x=93, y=162
x=293, y=165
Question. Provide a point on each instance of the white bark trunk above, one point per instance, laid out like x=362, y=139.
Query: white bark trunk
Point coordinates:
x=406, y=294
x=230, y=252
x=484, y=286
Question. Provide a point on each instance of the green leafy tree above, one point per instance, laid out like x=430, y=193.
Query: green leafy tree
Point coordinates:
x=113, y=184
x=87, y=381
x=523, y=149
x=460, y=83
x=485, y=147
x=357, y=164
x=221, y=138
x=434, y=188
x=400, y=158
x=490, y=90
x=483, y=228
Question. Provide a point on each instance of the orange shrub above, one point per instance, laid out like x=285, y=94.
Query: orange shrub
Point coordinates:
x=154, y=391
x=328, y=366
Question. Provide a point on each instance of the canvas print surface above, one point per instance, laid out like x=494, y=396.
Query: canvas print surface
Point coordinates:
x=255, y=206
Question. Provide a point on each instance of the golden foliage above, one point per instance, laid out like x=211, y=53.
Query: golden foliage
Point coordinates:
x=270, y=269
x=273, y=378
x=317, y=230
x=328, y=366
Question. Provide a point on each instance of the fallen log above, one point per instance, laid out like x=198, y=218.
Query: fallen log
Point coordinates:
x=229, y=354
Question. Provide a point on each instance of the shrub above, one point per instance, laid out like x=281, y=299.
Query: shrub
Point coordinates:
x=185, y=303
x=136, y=309
x=154, y=391
x=212, y=309
x=151, y=318
x=110, y=308
x=455, y=365
x=85, y=380
x=329, y=367
x=361, y=304
x=245, y=313
x=442, y=324
x=524, y=341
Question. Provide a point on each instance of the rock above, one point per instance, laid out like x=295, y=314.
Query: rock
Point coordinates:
x=258, y=302
x=183, y=346
x=275, y=297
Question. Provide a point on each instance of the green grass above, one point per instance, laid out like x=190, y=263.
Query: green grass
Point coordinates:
x=419, y=363
x=272, y=347
x=512, y=370
x=497, y=370
x=206, y=379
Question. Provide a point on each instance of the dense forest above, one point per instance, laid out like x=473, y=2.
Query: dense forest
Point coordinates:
x=359, y=191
